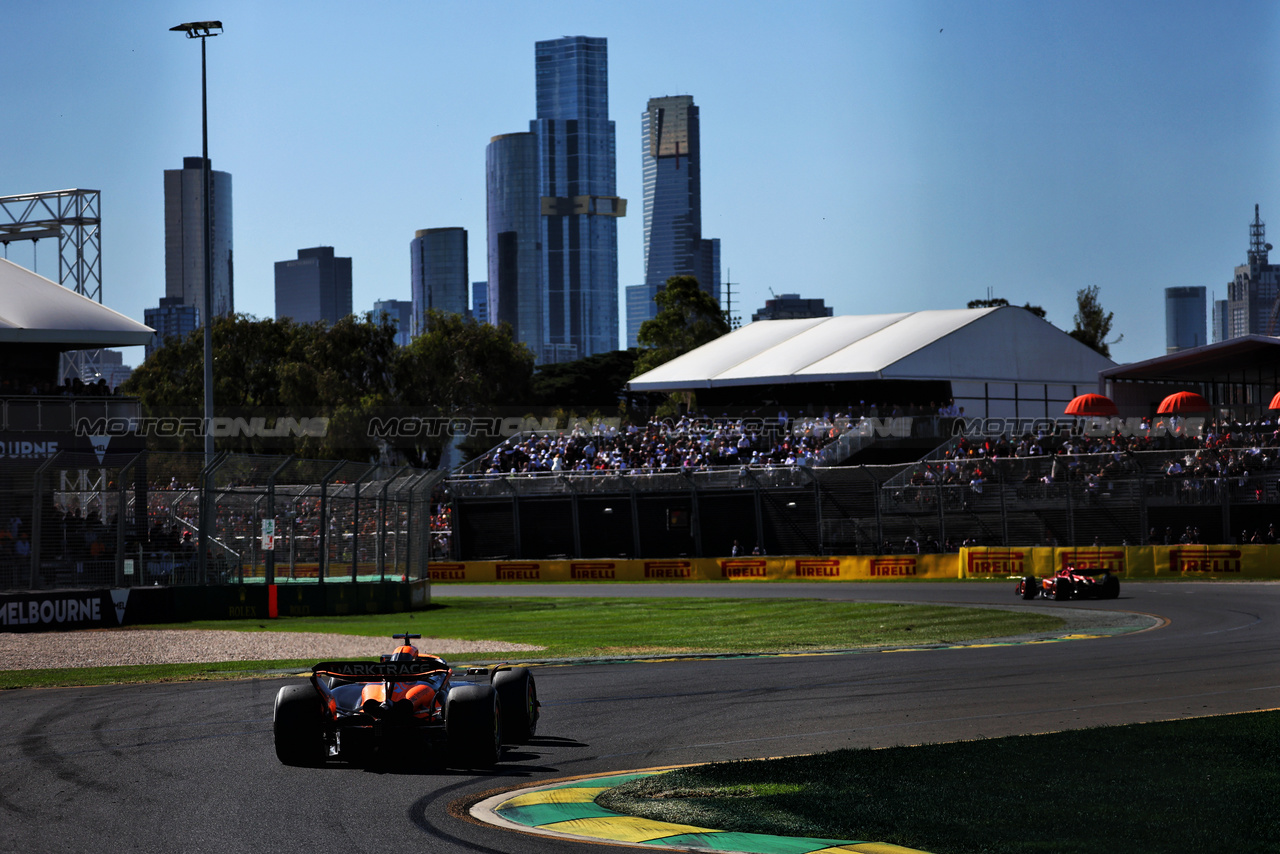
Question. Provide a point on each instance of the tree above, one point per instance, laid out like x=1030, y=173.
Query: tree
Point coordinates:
x=274, y=369
x=1093, y=325
x=999, y=301
x=459, y=366
x=586, y=384
x=687, y=318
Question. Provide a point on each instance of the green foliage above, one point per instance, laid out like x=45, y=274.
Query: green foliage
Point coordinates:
x=459, y=366
x=1093, y=324
x=262, y=368
x=592, y=383
x=999, y=301
x=687, y=318
x=346, y=373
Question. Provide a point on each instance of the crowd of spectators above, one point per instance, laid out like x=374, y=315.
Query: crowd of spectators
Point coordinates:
x=1221, y=451
x=687, y=443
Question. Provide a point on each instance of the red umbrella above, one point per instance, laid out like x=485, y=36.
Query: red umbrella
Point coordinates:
x=1275, y=402
x=1092, y=404
x=1183, y=401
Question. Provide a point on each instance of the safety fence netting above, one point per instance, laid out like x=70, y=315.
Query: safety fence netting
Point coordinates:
x=83, y=520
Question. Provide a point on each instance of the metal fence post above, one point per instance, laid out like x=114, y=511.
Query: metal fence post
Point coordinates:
x=1004, y=515
x=120, y=507
x=322, y=539
x=37, y=519
x=269, y=561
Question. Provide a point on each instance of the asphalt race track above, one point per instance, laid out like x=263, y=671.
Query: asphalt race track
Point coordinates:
x=190, y=767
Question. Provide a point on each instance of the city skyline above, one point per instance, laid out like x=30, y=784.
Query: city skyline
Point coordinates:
x=923, y=154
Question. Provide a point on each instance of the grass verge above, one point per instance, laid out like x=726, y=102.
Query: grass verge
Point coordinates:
x=1208, y=784
x=605, y=628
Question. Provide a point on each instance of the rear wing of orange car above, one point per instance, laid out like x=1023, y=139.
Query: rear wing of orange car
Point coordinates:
x=377, y=671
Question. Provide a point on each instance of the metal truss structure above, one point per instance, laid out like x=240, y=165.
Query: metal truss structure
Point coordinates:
x=74, y=218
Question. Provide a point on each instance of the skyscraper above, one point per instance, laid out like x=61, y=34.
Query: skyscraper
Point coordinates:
x=1251, y=294
x=1220, y=331
x=1184, y=318
x=184, y=236
x=480, y=301
x=315, y=286
x=438, y=261
x=514, y=206
x=577, y=163
x=671, y=157
x=399, y=312
x=791, y=307
x=173, y=318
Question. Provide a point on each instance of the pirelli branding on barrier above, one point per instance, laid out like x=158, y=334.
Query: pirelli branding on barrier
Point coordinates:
x=828, y=568
x=447, y=571
x=668, y=570
x=988, y=562
x=895, y=567
x=1206, y=560
x=519, y=572
x=593, y=571
x=739, y=569
x=1110, y=560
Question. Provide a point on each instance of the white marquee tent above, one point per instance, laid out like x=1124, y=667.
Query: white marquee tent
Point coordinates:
x=1001, y=362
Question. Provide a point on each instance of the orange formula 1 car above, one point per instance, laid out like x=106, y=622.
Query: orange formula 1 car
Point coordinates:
x=1070, y=583
x=403, y=705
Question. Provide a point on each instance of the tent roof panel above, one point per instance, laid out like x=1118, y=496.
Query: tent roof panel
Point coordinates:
x=1006, y=342
x=36, y=310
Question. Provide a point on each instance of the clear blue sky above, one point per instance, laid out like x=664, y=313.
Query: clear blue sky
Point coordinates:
x=887, y=156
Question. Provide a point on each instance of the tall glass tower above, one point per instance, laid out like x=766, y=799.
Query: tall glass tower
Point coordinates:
x=438, y=271
x=184, y=236
x=1184, y=318
x=579, y=203
x=671, y=155
x=513, y=207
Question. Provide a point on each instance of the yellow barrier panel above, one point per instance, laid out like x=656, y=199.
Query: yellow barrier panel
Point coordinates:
x=741, y=569
x=975, y=562
x=1002, y=562
x=1203, y=561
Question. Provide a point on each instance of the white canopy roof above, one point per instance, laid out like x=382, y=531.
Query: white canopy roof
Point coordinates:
x=1005, y=343
x=35, y=310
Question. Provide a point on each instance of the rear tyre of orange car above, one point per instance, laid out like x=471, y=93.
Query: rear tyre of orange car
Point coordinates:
x=518, y=699
x=473, y=724
x=298, y=726
x=1062, y=589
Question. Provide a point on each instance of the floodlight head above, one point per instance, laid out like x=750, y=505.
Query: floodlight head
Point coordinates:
x=198, y=29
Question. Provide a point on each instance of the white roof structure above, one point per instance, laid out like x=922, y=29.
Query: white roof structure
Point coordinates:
x=1004, y=344
x=36, y=310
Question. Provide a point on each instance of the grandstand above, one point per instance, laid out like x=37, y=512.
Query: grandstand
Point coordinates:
x=785, y=471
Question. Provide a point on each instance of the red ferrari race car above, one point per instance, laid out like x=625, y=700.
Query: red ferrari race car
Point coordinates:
x=1071, y=583
x=406, y=704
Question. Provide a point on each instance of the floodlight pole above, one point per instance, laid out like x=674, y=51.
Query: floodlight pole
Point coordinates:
x=203, y=30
